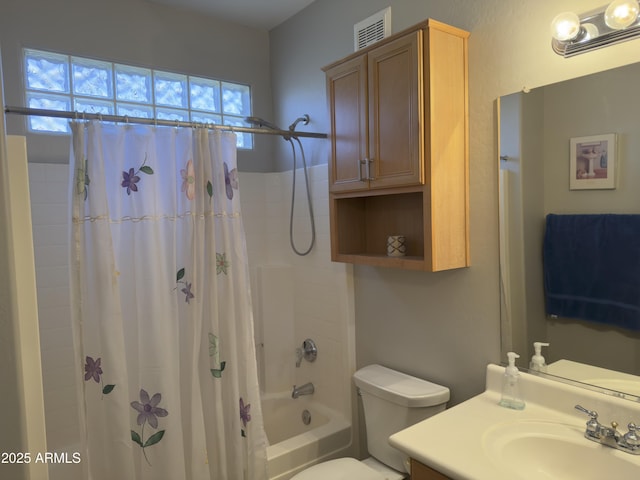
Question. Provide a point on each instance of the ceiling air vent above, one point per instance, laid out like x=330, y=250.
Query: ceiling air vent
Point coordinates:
x=372, y=29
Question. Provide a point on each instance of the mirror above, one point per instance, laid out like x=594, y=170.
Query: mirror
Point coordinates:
x=536, y=129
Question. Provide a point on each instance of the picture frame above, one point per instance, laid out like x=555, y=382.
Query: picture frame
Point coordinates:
x=592, y=162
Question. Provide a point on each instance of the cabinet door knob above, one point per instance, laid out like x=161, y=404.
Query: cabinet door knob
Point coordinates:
x=367, y=162
x=360, y=177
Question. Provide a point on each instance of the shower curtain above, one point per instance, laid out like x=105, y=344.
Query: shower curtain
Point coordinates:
x=161, y=307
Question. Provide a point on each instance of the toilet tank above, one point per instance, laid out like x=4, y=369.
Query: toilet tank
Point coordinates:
x=393, y=401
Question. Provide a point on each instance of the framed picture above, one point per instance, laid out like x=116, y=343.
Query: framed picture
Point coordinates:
x=592, y=162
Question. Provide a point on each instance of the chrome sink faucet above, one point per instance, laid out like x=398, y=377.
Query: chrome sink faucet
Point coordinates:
x=306, y=389
x=609, y=436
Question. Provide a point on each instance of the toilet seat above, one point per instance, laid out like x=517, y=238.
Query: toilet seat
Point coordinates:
x=339, y=469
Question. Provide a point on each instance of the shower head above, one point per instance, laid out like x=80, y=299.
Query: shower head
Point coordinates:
x=261, y=123
x=304, y=119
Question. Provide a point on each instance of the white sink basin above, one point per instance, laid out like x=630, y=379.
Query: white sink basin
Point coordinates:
x=480, y=440
x=550, y=450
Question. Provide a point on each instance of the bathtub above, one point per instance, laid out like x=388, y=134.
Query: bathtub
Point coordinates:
x=294, y=446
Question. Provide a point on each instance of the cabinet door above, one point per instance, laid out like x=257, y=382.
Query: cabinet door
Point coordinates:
x=347, y=97
x=420, y=471
x=395, y=112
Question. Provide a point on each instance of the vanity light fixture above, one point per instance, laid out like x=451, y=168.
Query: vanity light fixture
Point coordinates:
x=614, y=23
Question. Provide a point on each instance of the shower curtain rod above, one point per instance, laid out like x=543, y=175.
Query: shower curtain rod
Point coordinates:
x=39, y=112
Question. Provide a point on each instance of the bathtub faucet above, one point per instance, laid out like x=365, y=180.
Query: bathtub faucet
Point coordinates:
x=306, y=389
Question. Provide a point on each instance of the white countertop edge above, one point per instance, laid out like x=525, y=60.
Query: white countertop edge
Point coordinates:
x=451, y=441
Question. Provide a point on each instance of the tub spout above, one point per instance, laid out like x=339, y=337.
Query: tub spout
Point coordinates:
x=306, y=389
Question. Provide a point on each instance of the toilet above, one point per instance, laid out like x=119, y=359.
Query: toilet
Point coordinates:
x=392, y=401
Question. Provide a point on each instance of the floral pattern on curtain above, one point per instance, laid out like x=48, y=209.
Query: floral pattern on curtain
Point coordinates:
x=161, y=306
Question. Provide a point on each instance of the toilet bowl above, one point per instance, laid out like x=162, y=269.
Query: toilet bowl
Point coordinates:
x=392, y=401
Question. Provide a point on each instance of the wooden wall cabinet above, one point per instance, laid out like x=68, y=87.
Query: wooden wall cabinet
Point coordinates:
x=375, y=99
x=399, y=150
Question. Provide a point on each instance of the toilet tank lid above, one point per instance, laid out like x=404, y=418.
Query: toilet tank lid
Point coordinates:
x=400, y=388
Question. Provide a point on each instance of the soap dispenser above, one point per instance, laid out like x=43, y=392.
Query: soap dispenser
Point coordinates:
x=538, y=363
x=511, y=397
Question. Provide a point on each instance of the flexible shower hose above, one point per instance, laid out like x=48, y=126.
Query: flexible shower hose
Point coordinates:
x=293, y=199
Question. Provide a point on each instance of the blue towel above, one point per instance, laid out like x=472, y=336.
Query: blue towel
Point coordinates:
x=592, y=268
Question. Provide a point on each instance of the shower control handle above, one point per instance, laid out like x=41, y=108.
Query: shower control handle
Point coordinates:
x=309, y=352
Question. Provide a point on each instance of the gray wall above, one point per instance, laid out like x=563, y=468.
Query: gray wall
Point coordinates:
x=127, y=31
x=443, y=326
x=138, y=33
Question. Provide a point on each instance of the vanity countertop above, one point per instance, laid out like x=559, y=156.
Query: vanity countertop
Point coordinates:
x=458, y=442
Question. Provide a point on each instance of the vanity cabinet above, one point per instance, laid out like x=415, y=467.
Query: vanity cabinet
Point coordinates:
x=399, y=150
x=420, y=471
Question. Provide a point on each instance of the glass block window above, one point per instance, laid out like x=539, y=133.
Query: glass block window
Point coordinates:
x=92, y=78
x=62, y=82
x=133, y=84
x=47, y=72
x=171, y=90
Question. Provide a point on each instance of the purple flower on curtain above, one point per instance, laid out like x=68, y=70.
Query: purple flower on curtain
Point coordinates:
x=244, y=415
x=129, y=181
x=187, y=291
x=148, y=412
x=189, y=180
x=230, y=180
x=147, y=409
x=93, y=370
x=131, y=178
x=187, y=285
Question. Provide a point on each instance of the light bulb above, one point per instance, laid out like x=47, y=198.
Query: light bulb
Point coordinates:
x=565, y=26
x=621, y=13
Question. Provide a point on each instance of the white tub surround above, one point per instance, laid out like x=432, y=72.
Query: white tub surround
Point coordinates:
x=275, y=296
x=298, y=297
x=480, y=440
